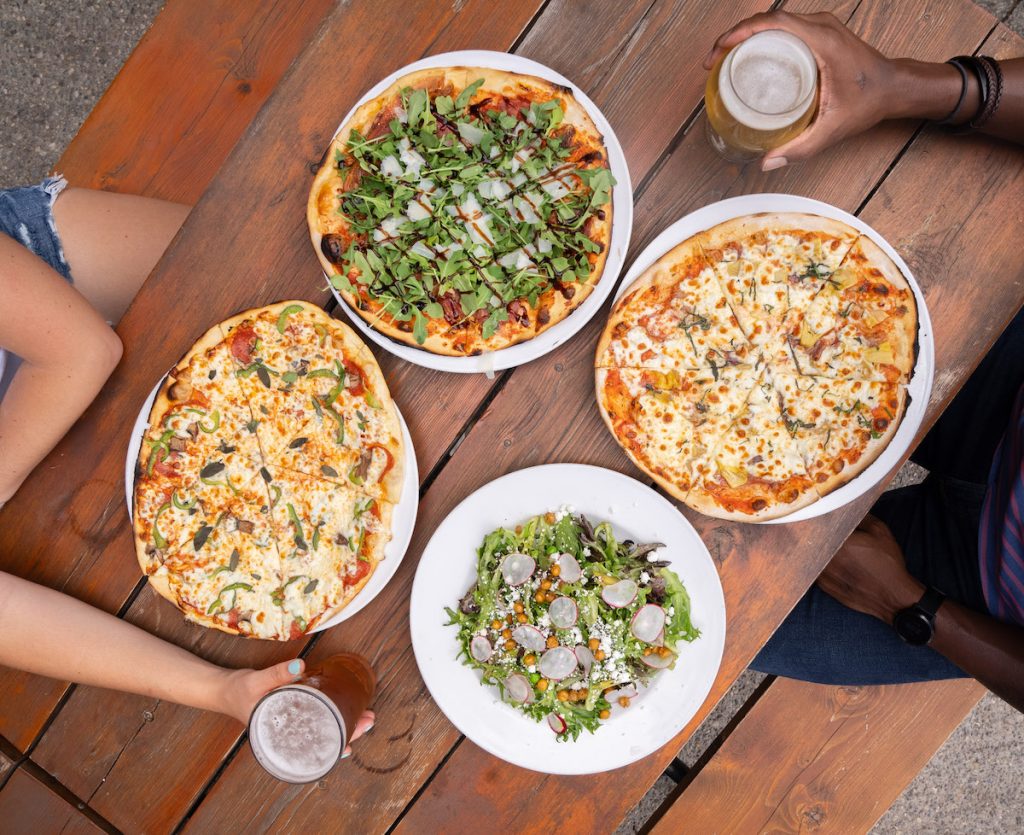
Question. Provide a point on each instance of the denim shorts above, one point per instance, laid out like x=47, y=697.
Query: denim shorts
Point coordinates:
x=26, y=214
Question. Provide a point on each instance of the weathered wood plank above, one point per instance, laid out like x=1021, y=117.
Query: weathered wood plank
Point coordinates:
x=856, y=749
x=300, y=116
x=29, y=805
x=153, y=134
x=462, y=791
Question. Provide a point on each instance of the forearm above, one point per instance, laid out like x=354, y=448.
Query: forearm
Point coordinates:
x=991, y=651
x=68, y=352
x=88, y=646
x=40, y=406
x=921, y=90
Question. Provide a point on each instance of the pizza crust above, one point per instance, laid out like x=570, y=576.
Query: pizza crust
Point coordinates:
x=441, y=338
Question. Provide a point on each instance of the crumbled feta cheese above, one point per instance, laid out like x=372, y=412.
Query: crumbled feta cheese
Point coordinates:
x=544, y=621
x=645, y=578
x=532, y=668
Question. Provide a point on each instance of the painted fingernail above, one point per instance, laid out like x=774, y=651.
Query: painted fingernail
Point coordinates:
x=295, y=667
x=346, y=754
x=773, y=163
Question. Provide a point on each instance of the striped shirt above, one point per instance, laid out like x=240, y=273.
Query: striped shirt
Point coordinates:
x=1001, y=532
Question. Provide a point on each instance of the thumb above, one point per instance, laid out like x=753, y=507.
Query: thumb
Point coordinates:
x=283, y=673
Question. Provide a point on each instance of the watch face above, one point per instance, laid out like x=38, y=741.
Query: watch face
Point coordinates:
x=913, y=626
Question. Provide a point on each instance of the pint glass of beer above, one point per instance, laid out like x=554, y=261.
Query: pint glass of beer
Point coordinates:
x=760, y=94
x=298, y=731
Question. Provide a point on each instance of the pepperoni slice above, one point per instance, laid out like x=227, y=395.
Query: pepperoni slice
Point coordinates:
x=243, y=341
x=354, y=378
x=356, y=573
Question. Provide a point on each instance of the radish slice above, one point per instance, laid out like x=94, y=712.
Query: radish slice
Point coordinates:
x=659, y=662
x=648, y=623
x=558, y=663
x=660, y=640
x=518, y=688
x=586, y=659
x=529, y=637
x=556, y=723
x=563, y=612
x=517, y=569
x=628, y=691
x=620, y=594
x=480, y=648
x=569, y=568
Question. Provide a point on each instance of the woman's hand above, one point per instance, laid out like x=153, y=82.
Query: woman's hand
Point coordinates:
x=858, y=86
x=869, y=574
x=241, y=689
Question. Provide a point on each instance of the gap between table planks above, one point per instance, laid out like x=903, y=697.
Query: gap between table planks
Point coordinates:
x=471, y=786
x=126, y=740
x=30, y=802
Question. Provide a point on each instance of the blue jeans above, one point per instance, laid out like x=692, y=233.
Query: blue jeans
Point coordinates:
x=936, y=525
x=26, y=215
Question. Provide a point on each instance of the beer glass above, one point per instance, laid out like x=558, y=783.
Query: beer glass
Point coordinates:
x=760, y=94
x=298, y=731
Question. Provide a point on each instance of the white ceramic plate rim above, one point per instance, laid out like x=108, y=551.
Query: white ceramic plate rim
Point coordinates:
x=403, y=518
x=448, y=567
x=622, y=226
x=920, y=386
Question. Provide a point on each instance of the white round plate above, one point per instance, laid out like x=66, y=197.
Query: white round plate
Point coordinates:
x=920, y=387
x=622, y=226
x=402, y=524
x=448, y=568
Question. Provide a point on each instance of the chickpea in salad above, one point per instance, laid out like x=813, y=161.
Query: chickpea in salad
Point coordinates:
x=568, y=622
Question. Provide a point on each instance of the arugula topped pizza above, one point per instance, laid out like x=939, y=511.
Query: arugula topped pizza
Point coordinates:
x=267, y=476
x=761, y=364
x=464, y=209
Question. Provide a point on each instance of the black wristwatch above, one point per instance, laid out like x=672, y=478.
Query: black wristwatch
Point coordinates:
x=916, y=624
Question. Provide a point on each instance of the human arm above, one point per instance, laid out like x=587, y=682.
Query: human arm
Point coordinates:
x=68, y=352
x=869, y=574
x=51, y=634
x=860, y=87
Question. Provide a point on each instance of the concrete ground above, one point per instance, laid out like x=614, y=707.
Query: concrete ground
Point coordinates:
x=59, y=57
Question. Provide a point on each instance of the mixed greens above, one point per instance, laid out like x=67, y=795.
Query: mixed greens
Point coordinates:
x=568, y=622
x=460, y=210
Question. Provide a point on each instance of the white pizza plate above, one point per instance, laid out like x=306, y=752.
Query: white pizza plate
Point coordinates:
x=920, y=387
x=448, y=568
x=402, y=524
x=622, y=225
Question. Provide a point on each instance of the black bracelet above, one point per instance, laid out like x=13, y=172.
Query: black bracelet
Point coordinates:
x=963, y=93
x=995, y=73
x=981, y=72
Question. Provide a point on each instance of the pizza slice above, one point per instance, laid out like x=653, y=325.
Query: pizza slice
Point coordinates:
x=755, y=472
x=674, y=317
x=668, y=420
x=330, y=538
x=840, y=426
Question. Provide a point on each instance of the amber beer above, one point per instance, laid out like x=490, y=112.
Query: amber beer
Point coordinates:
x=298, y=731
x=760, y=94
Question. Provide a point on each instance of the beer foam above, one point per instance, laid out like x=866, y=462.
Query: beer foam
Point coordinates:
x=295, y=735
x=768, y=81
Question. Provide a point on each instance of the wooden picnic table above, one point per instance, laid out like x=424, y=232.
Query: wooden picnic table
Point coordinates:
x=81, y=756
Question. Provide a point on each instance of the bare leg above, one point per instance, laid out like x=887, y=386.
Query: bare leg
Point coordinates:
x=112, y=242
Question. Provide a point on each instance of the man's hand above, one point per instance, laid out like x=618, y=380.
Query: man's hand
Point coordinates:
x=869, y=574
x=858, y=85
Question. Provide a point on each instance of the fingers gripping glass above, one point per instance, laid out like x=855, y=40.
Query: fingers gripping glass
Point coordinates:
x=760, y=95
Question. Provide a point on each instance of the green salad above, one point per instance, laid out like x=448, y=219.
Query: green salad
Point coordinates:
x=568, y=622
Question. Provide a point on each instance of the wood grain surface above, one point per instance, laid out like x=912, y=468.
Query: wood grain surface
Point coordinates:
x=856, y=750
x=29, y=805
x=106, y=747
